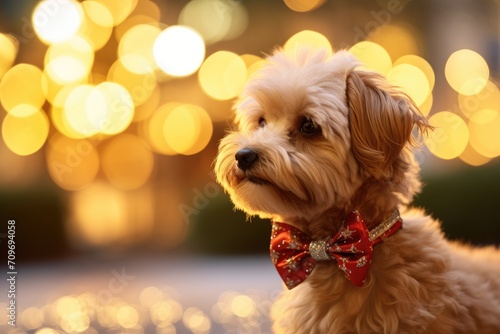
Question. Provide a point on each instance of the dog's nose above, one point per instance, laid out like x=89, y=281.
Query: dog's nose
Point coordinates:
x=246, y=158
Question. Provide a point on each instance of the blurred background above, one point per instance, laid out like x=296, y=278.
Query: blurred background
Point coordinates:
x=111, y=113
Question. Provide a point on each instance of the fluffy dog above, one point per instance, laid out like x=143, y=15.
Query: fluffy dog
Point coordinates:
x=317, y=138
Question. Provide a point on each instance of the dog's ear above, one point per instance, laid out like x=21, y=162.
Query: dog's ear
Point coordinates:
x=381, y=121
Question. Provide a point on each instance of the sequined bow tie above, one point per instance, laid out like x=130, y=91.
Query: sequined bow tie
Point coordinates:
x=294, y=253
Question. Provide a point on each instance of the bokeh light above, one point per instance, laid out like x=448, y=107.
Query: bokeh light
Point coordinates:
x=56, y=21
x=127, y=316
x=72, y=163
x=411, y=80
x=483, y=106
x=135, y=50
x=22, y=84
x=450, y=136
x=243, y=306
x=485, y=137
x=467, y=72
x=152, y=129
x=119, y=9
x=215, y=20
x=222, y=75
x=9, y=46
x=99, y=215
x=97, y=24
x=75, y=111
x=303, y=5
x=109, y=108
x=179, y=51
x=422, y=64
x=196, y=320
x=397, y=40
x=308, y=38
x=32, y=318
x=25, y=135
x=140, y=87
x=372, y=56
x=187, y=129
x=471, y=157
x=127, y=162
x=69, y=62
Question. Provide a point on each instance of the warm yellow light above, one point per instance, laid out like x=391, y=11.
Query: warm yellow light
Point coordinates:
x=22, y=84
x=166, y=311
x=477, y=107
x=243, y=306
x=152, y=130
x=133, y=21
x=426, y=106
x=148, y=8
x=97, y=25
x=109, y=108
x=25, y=135
x=373, y=56
x=450, y=136
x=32, y=318
x=150, y=296
x=57, y=114
x=136, y=48
x=127, y=162
x=56, y=21
x=119, y=9
x=422, y=64
x=222, y=75
x=467, y=72
x=8, y=45
x=66, y=70
x=72, y=164
x=187, y=129
x=215, y=20
x=194, y=319
x=98, y=13
x=485, y=137
x=23, y=110
x=99, y=215
x=145, y=110
x=396, y=39
x=127, y=316
x=179, y=51
x=308, y=38
x=75, y=111
x=303, y=5
x=69, y=62
x=67, y=305
x=46, y=330
x=141, y=87
x=411, y=80
x=471, y=157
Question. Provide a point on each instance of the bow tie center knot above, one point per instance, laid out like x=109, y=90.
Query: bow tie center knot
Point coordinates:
x=318, y=250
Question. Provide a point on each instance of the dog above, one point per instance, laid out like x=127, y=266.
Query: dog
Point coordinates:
x=324, y=149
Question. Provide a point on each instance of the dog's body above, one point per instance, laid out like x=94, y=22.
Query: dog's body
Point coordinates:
x=317, y=139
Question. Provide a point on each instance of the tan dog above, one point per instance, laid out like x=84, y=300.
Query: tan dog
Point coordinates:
x=316, y=139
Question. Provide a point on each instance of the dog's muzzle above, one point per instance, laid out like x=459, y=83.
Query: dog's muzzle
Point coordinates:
x=246, y=157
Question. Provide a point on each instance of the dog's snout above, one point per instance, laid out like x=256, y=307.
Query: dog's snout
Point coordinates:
x=246, y=158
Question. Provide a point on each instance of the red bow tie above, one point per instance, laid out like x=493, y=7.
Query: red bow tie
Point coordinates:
x=294, y=254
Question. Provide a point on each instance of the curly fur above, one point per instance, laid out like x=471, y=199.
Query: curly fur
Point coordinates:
x=361, y=159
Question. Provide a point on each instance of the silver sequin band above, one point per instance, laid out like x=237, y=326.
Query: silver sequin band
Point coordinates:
x=385, y=226
x=318, y=251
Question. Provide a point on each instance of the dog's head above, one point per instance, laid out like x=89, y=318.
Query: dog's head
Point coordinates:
x=311, y=130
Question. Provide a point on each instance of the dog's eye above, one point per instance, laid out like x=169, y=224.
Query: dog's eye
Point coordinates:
x=308, y=128
x=262, y=122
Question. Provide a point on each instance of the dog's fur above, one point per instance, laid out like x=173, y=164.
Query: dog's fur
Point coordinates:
x=359, y=159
